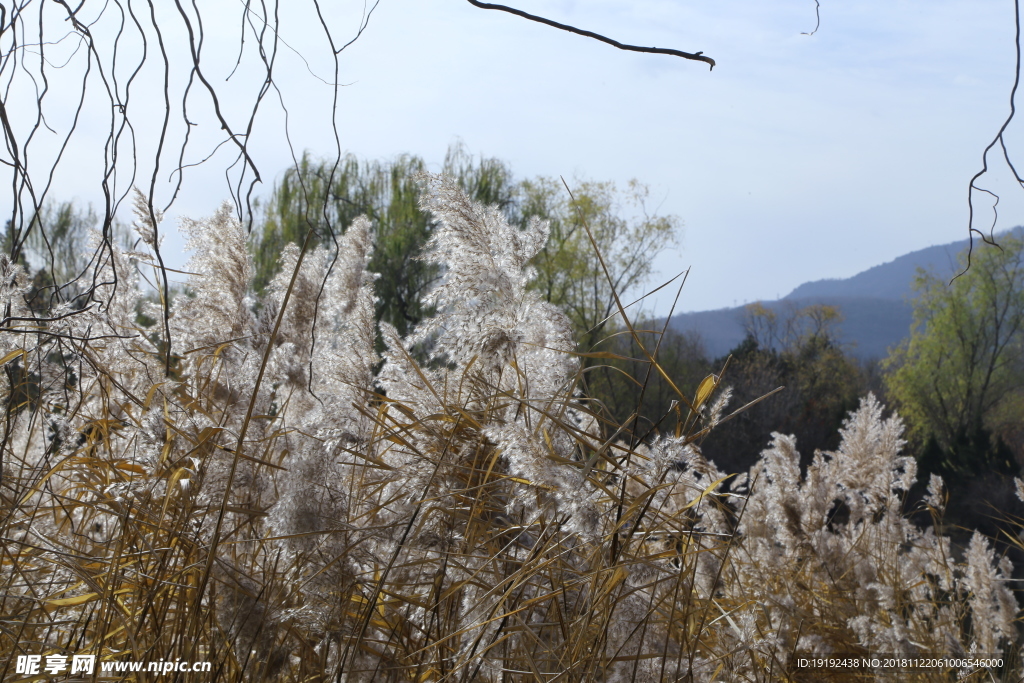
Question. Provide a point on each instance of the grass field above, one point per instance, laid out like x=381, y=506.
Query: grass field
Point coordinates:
x=261, y=491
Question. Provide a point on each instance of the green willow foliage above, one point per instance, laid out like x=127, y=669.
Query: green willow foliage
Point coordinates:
x=622, y=238
x=960, y=375
x=325, y=197
x=55, y=252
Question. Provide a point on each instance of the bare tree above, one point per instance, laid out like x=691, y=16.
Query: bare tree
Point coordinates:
x=696, y=56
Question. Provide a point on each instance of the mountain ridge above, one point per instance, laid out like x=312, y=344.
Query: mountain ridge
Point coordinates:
x=875, y=303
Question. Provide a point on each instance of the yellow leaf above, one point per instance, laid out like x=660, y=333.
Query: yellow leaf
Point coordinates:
x=221, y=348
x=70, y=602
x=618, y=575
x=527, y=482
x=149, y=394
x=11, y=356
x=704, y=391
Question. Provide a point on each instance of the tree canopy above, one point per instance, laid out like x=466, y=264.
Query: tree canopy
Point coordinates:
x=961, y=372
x=327, y=197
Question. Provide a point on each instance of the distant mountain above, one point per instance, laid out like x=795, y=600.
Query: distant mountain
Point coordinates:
x=875, y=304
x=892, y=280
x=870, y=325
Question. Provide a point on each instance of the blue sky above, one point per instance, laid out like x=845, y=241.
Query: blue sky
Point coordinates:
x=798, y=157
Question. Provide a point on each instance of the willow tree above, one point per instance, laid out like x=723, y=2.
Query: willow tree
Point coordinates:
x=326, y=196
x=960, y=375
x=602, y=244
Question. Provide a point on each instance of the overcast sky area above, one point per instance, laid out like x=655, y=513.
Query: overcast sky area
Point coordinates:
x=797, y=158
